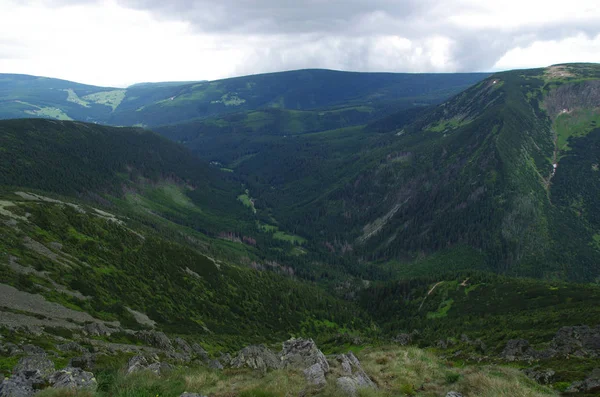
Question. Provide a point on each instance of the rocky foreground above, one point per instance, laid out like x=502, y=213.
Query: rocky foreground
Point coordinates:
x=72, y=364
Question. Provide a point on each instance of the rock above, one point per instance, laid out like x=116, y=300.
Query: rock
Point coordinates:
x=155, y=339
x=183, y=346
x=10, y=349
x=71, y=347
x=33, y=350
x=97, y=329
x=186, y=394
x=347, y=385
x=302, y=354
x=256, y=357
x=143, y=363
x=454, y=394
x=73, y=378
x=215, y=364
x=516, y=349
x=352, y=369
x=315, y=375
x=39, y=365
x=581, y=341
x=159, y=368
x=30, y=374
x=403, y=339
x=200, y=352
x=225, y=359
x=86, y=362
x=591, y=384
x=543, y=377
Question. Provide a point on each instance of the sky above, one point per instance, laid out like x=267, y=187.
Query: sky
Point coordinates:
x=122, y=42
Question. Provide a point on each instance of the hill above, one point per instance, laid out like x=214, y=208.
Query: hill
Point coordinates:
x=166, y=103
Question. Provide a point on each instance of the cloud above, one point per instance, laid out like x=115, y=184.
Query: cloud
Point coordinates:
x=118, y=42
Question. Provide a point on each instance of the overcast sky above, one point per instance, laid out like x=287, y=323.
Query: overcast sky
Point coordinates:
x=121, y=42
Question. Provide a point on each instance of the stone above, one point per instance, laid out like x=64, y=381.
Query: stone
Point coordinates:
x=225, y=359
x=591, y=384
x=16, y=386
x=33, y=350
x=315, y=375
x=200, y=352
x=71, y=347
x=402, y=339
x=96, y=329
x=256, y=357
x=542, y=377
x=347, y=385
x=302, y=354
x=352, y=369
x=30, y=374
x=516, y=349
x=215, y=364
x=155, y=339
x=40, y=365
x=453, y=394
x=186, y=394
x=182, y=345
x=581, y=341
x=73, y=378
x=86, y=362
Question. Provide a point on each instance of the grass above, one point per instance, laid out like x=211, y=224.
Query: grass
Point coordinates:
x=442, y=310
x=282, y=236
x=578, y=123
x=108, y=98
x=49, y=112
x=247, y=201
x=397, y=371
x=73, y=97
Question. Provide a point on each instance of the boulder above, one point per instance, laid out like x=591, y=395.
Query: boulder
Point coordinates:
x=215, y=364
x=155, y=339
x=453, y=394
x=186, y=394
x=86, y=362
x=403, y=339
x=347, y=386
x=352, y=370
x=143, y=363
x=97, y=329
x=302, y=354
x=200, y=352
x=71, y=347
x=315, y=375
x=33, y=350
x=591, y=384
x=517, y=349
x=73, y=378
x=581, y=341
x=182, y=345
x=256, y=357
x=541, y=376
x=225, y=359
x=30, y=373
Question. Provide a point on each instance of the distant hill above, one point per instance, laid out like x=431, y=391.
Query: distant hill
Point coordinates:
x=154, y=104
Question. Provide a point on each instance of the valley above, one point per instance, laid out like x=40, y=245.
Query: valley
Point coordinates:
x=407, y=234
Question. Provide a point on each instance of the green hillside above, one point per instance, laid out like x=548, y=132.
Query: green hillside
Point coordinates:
x=158, y=104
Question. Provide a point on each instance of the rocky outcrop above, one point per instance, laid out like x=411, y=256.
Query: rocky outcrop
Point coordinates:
x=97, y=329
x=582, y=341
x=71, y=347
x=86, y=362
x=143, y=363
x=403, y=339
x=31, y=373
x=354, y=377
x=73, y=378
x=517, y=349
x=200, y=352
x=256, y=357
x=453, y=394
x=302, y=354
x=541, y=376
x=186, y=394
x=591, y=384
x=315, y=375
x=156, y=339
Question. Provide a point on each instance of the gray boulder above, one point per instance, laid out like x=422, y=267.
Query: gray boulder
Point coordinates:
x=517, y=349
x=403, y=339
x=156, y=339
x=302, y=354
x=354, y=376
x=256, y=357
x=591, y=384
x=541, y=376
x=182, y=345
x=33, y=350
x=347, y=386
x=454, y=394
x=582, y=341
x=200, y=352
x=143, y=363
x=30, y=373
x=87, y=362
x=73, y=378
x=315, y=375
x=186, y=394
x=96, y=329
x=225, y=359
x=71, y=347
x=215, y=364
